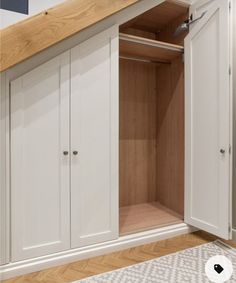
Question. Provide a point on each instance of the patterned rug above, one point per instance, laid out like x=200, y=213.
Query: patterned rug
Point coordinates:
x=187, y=266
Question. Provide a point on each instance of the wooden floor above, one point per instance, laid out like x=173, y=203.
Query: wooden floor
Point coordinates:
x=140, y=217
x=81, y=269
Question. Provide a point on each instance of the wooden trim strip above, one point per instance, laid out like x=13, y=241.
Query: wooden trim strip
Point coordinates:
x=144, y=48
x=27, y=38
x=151, y=42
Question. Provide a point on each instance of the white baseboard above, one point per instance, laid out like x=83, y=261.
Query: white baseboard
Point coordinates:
x=32, y=265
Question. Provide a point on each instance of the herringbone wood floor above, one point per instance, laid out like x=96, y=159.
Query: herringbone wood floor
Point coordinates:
x=81, y=269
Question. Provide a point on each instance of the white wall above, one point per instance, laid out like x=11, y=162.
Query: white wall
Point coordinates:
x=35, y=6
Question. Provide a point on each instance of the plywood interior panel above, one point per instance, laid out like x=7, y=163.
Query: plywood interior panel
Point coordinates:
x=141, y=33
x=167, y=34
x=157, y=18
x=152, y=119
x=151, y=144
x=159, y=23
x=137, y=218
x=170, y=135
x=137, y=132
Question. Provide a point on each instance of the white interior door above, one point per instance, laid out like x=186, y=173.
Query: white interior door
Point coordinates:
x=94, y=138
x=40, y=212
x=208, y=122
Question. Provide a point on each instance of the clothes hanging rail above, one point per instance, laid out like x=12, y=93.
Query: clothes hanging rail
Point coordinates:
x=143, y=60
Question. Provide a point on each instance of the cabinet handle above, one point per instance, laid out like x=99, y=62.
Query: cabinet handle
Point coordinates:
x=65, y=152
x=75, y=152
x=222, y=151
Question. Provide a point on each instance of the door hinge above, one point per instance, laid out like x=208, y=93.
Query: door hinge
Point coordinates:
x=229, y=5
x=230, y=70
x=230, y=149
x=229, y=227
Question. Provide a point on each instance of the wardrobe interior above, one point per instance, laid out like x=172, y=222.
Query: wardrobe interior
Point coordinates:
x=151, y=141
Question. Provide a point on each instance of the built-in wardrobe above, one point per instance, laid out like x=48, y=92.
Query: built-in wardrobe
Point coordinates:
x=151, y=120
x=122, y=139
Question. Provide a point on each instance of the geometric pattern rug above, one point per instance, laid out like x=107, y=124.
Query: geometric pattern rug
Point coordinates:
x=187, y=266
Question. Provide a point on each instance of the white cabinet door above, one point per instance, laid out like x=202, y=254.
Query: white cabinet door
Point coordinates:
x=40, y=213
x=94, y=135
x=208, y=122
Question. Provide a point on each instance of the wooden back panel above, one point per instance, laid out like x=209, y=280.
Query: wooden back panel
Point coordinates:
x=170, y=135
x=137, y=132
x=152, y=133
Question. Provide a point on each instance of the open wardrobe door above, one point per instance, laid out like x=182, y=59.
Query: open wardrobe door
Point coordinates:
x=208, y=186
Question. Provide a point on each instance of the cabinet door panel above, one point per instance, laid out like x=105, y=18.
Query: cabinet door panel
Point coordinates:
x=94, y=134
x=39, y=170
x=208, y=122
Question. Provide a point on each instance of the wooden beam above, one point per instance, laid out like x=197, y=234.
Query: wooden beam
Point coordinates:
x=27, y=38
